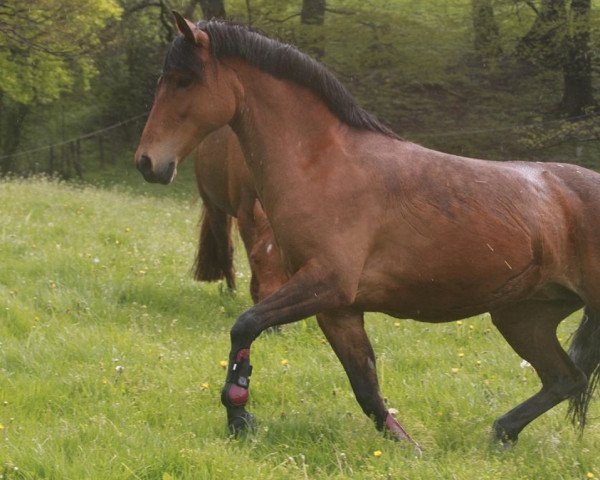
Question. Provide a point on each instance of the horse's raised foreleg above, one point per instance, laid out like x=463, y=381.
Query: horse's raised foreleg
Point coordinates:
x=309, y=291
x=346, y=333
x=530, y=329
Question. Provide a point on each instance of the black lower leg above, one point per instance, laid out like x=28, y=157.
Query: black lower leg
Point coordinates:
x=234, y=395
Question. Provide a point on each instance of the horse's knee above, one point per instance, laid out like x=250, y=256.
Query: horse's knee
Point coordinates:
x=245, y=329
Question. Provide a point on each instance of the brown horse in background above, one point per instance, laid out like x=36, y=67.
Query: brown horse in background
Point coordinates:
x=226, y=188
x=368, y=222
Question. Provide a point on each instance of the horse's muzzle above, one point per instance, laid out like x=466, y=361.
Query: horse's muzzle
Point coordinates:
x=163, y=174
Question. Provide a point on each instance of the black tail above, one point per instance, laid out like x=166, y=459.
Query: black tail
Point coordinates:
x=585, y=353
x=214, y=258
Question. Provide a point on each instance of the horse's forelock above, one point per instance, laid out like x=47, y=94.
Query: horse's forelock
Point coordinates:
x=182, y=56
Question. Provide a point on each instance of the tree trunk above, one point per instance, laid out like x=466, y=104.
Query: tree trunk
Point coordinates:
x=312, y=17
x=11, y=128
x=577, y=67
x=543, y=44
x=487, y=33
x=313, y=12
x=212, y=9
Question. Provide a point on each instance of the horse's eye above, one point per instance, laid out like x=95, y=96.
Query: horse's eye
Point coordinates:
x=184, y=82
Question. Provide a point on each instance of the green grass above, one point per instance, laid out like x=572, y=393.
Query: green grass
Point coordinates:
x=110, y=365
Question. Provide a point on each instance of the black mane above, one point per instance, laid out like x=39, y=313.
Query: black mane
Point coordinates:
x=280, y=60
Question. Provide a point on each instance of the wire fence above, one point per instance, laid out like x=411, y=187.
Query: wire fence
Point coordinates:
x=65, y=158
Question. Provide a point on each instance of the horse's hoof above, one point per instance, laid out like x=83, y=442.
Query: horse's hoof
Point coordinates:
x=241, y=423
x=501, y=438
x=396, y=432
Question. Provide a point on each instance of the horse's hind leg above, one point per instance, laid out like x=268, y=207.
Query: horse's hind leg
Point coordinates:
x=530, y=329
x=346, y=334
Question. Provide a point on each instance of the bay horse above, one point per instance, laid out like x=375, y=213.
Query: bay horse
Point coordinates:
x=366, y=221
x=227, y=191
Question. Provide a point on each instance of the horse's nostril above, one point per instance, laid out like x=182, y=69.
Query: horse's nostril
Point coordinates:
x=145, y=164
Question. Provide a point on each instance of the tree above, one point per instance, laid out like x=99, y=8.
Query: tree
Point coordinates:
x=577, y=64
x=312, y=17
x=212, y=9
x=487, y=33
x=46, y=48
x=313, y=12
x=560, y=38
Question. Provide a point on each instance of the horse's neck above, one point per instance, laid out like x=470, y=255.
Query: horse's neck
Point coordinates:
x=280, y=124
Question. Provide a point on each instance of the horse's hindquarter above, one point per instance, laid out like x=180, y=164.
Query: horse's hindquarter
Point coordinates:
x=461, y=236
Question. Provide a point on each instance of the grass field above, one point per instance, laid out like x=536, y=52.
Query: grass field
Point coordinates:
x=110, y=365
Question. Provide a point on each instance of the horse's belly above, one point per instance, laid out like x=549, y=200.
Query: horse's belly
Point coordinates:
x=447, y=290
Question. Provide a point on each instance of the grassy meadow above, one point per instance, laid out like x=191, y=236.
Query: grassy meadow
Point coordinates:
x=111, y=364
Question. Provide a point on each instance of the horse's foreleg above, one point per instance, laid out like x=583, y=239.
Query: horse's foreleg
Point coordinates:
x=309, y=291
x=530, y=329
x=346, y=334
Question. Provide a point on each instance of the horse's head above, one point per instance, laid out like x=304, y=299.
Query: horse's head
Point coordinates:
x=193, y=97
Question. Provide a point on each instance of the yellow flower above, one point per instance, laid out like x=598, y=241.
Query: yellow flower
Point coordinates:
x=223, y=363
x=454, y=370
x=204, y=386
x=396, y=324
x=459, y=323
x=284, y=362
x=590, y=475
x=1, y=427
x=377, y=453
x=461, y=354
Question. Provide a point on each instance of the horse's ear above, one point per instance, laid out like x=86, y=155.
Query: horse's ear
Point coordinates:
x=190, y=31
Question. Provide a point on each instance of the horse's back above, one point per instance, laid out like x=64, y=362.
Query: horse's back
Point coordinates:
x=475, y=234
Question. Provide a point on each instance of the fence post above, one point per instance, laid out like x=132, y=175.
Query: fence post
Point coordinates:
x=77, y=163
x=101, y=150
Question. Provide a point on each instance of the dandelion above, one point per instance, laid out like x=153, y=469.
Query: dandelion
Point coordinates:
x=396, y=324
x=204, y=386
x=377, y=453
x=461, y=354
x=223, y=363
x=284, y=362
x=590, y=475
x=459, y=323
x=455, y=370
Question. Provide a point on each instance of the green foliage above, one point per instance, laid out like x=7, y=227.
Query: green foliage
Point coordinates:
x=423, y=67
x=110, y=365
x=46, y=45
